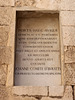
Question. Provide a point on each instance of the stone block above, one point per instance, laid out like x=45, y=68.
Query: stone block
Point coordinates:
x=30, y=90
x=3, y=74
x=67, y=18
x=3, y=93
x=5, y=55
x=69, y=53
x=67, y=95
x=6, y=16
x=45, y=4
x=67, y=4
x=6, y=2
x=69, y=74
x=4, y=34
x=56, y=91
x=68, y=35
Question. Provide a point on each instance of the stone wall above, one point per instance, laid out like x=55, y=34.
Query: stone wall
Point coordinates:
x=7, y=22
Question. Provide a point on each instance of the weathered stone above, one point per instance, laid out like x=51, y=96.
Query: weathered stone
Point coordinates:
x=45, y=4
x=6, y=2
x=5, y=55
x=67, y=95
x=69, y=35
x=69, y=54
x=67, y=4
x=3, y=93
x=3, y=73
x=69, y=74
x=22, y=98
x=56, y=91
x=6, y=15
x=30, y=90
x=67, y=18
x=4, y=33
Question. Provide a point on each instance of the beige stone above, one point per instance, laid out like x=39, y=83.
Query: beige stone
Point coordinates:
x=4, y=35
x=30, y=90
x=22, y=98
x=67, y=18
x=69, y=54
x=5, y=55
x=69, y=74
x=3, y=93
x=6, y=15
x=67, y=95
x=3, y=73
x=67, y=4
x=56, y=91
x=45, y=4
x=6, y=2
x=68, y=35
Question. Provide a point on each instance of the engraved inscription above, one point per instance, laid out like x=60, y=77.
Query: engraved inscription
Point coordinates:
x=38, y=51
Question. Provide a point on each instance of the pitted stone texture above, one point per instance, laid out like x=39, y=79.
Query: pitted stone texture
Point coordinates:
x=67, y=18
x=56, y=91
x=5, y=55
x=3, y=93
x=69, y=35
x=6, y=15
x=30, y=90
x=69, y=52
x=45, y=4
x=4, y=34
x=67, y=95
x=69, y=74
x=6, y=2
x=22, y=98
x=68, y=4
x=3, y=73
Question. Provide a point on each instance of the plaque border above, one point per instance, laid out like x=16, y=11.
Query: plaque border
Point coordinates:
x=10, y=74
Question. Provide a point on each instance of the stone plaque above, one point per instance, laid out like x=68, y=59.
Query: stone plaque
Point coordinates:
x=37, y=61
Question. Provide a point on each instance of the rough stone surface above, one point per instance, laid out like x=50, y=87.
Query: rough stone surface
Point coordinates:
x=3, y=74
x=69, y=52
x=67, y=4
x=67, y=18
x=67, y=95
x=56, y=91
x=69, y=75
x=3, y=93
x=5, y=55
x=6, y=16
x=68, y=35
x=45, y=4
x=30, y=90
x=4, y=34
x=22, y=98
x=6, y=2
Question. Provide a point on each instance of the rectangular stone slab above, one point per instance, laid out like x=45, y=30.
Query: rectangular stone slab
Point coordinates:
x=37, y=60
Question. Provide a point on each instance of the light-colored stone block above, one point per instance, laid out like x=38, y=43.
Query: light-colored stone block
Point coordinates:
x=45, y=4
x=69, y=74
x=3, y=74
x=3, y=93
x=56, y=91
x=67, y=95
x=6, y=2
x=67, y=4
x=4, y=35
x=67, y=18
x=5, y=55
x=29, y=90
x=22, y=98
x=68, y=35
x=6, y=15
x=69, y=54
